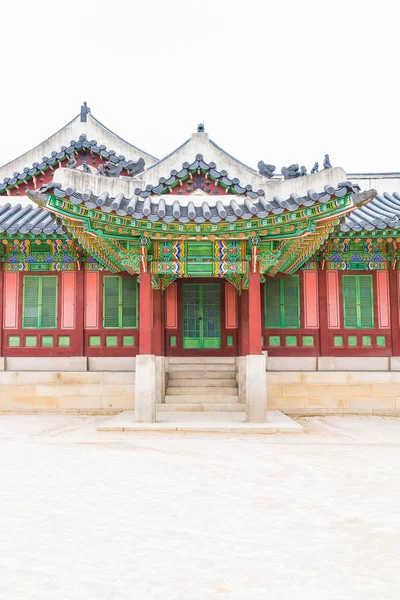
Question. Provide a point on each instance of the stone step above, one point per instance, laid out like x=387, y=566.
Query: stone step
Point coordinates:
x=201, y=360
x=204, y=407
x=199, y=391
x=176, y=367
x=202, y=374
x=204, y=382
x=198, y=399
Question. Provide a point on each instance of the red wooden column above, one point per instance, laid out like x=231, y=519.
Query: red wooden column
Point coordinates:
x=1, y=308
x=394, y=293
x=244, y=323
x=255, y=344
x=323, y=314
x=145, y=313
x=158, y=324
x=79, y=312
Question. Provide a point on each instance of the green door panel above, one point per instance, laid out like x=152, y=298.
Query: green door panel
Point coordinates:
x=201, y=316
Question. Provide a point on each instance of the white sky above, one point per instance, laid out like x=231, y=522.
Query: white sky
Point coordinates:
x=283, y=81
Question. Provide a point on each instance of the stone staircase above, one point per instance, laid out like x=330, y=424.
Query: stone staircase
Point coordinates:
x=202, y=384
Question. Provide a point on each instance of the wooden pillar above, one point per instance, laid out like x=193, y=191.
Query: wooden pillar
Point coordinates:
x=79, y=313
x=1, y=309
x=394, y=290
x=255, y=344
x=244, y=323
x=158, y=324
x=323, y=314
x=145, y=313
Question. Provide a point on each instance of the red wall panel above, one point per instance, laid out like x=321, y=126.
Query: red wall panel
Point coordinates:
x=311, y=299
x=91, y=300
x=231, y=313
x=383, y=299
x=11, y=299
x=332, y=284
x=68, y=300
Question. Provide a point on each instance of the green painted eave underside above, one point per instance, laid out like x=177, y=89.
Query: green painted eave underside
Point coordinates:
x=284, y=226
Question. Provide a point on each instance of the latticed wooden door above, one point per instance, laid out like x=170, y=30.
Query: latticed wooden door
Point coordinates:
x=201, y=315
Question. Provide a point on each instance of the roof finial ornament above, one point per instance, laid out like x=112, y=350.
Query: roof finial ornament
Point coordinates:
x=84, y=112
x=327, y=162
x=291, y=172
x=266, y=169
x=315, y=169
x=200, y=128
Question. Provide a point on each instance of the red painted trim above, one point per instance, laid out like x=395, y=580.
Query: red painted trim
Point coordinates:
x=11, y=291
x=158, y=323
x=255, y=344
x=1, y=308
x=383, y=299
x=79, y=312
x=310, y=279
x=231, y=313
x=92, y=293
x=394, y=294
x=68, y=295
x=178, y=350
x=244, y=324
x=145, y=313
x=323, y=313
x=171, y=300
x=334, y=299
x=38, y=350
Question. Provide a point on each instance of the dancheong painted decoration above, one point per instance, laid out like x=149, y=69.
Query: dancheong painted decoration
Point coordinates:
x=196, y=252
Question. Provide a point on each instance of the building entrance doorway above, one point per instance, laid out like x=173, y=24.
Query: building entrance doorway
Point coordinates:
x=201, y=315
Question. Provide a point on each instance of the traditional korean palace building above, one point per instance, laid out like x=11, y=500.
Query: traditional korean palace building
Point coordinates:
x=194, y=282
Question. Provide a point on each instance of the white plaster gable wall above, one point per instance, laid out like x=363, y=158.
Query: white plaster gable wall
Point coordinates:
x=381, y=182
x=93, y=130
x=98, y=184
x=199, y=143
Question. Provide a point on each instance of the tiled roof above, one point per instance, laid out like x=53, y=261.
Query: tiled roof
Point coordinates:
x=199, y=166
x=383, y=212
x=230, y=210
x=15, y=218
x=65, y=152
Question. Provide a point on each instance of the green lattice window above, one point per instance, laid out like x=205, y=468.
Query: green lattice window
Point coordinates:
x=120, y=302
x=358, y=301
x=39, y=303
x=282, y=302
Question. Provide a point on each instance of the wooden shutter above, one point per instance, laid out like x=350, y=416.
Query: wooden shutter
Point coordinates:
x=366, y=302
x=111, y=302
x=272, y=303
x=128, y=299
x=48, y=301
x=358, y=301
x=349, y=287
x=290, y=301
x=30, y=308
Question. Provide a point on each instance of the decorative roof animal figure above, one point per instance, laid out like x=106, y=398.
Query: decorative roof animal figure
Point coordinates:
x=315, y=168
x=303, y=171
x=86, y=168
x=266, y=169
x=100, y=169
x=85, y=110
x=72, y=163
x=327, y=162
x=135, y=168
x=112, y=170
x=291, y=172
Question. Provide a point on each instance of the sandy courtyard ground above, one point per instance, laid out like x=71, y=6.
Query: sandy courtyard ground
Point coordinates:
x=112, y=516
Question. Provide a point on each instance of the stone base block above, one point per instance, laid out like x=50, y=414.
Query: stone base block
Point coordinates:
x=145, y=388
x=41, y=363
x=69, y=391
x=256, y=389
